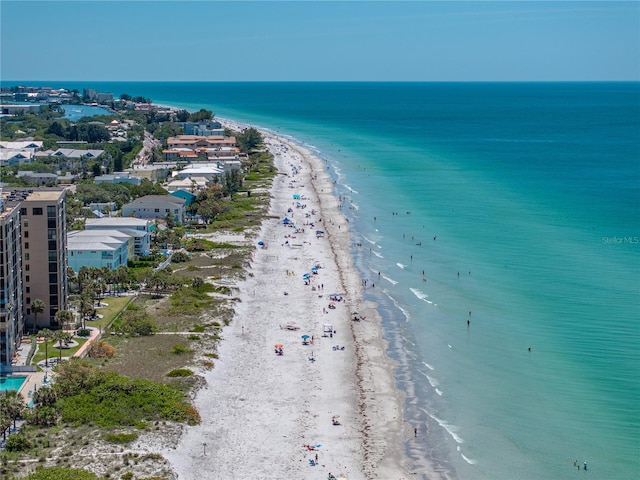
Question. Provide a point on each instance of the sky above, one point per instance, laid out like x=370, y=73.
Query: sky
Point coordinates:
x=319, y=41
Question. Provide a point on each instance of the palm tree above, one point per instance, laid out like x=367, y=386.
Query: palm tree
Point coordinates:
x=37, y=306
x=83, y=276
x=61, y=337
x=5, y=424
x=64, y=318
x=85, y=305
x=47, y=334
x=12, y=405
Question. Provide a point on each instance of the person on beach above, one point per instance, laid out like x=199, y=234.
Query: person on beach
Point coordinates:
x=415, y=431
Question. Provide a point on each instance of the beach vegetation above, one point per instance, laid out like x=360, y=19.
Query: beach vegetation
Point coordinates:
x=179, y=349
x=134, y=322
x=101, y=349
x=188, y=300
x=88, y=395
x=180, y=372
x=120, y=438
x=61, y=473
x=18, y=443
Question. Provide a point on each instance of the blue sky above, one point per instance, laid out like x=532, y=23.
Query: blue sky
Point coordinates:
x=319, y=41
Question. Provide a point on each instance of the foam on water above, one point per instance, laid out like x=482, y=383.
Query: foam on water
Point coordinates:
x=450, y=429
x=421, y=295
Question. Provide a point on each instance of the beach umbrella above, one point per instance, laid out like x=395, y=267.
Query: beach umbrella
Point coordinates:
x=260, y=243
x=305, y=336
x=278, y=345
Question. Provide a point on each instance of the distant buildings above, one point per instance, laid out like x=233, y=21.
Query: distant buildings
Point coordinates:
x=196, y=141
x=19, y=152
x=203, y=129
x=95, y=96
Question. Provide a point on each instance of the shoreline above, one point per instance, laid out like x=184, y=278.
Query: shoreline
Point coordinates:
x=259, y=415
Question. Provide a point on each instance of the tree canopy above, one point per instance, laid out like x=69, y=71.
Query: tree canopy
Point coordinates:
x=248, y=139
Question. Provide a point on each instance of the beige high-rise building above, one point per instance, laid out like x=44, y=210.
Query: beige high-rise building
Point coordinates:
x=44, y=256
x=11, y=315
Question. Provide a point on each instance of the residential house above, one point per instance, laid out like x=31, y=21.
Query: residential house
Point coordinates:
x=206, y=170
x=117, y=177
x=190, y=184
x=188, y=197
x=39, y=179
x=203, y=129
x=156, y=207
x=138, y=228
x=104, y=248
x=153, y=172
x=22, y=145
x=10, y=157
x=197, y=141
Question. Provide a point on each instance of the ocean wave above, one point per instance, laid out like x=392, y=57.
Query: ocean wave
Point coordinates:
x=466, y=459
x=405, y=312
x=450, y=429
x=348, y=187
x=428, y=366
x=438, y=391
x=390, y=280
x=401, y=265
x=367, y=239
x=432, y=381
x=421, y=295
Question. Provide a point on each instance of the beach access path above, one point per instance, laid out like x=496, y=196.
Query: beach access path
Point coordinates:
x=266, y=415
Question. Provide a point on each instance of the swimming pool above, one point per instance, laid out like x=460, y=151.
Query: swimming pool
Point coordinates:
x=11, y=383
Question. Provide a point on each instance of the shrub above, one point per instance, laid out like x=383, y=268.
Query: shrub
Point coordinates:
x=101, y=349
x=43, y=416
x=180, y=372
x=120, y=438
x=18, y=443
x=180, y=257
x=107, y=399
x=61, y=473
x=179, y=349
x=83, y=332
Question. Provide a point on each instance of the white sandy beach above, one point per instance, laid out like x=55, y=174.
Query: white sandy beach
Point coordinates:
x=262, y=413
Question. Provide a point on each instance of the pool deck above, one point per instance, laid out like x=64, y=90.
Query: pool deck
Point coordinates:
x=44, y=377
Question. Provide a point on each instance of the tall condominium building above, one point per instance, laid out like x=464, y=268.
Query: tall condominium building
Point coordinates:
x=11, y=315
x=44, y=259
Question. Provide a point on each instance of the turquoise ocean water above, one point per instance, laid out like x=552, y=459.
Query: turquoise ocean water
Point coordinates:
x=521, y=204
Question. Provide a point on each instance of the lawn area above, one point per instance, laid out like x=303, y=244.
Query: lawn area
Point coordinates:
x=114, y=306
